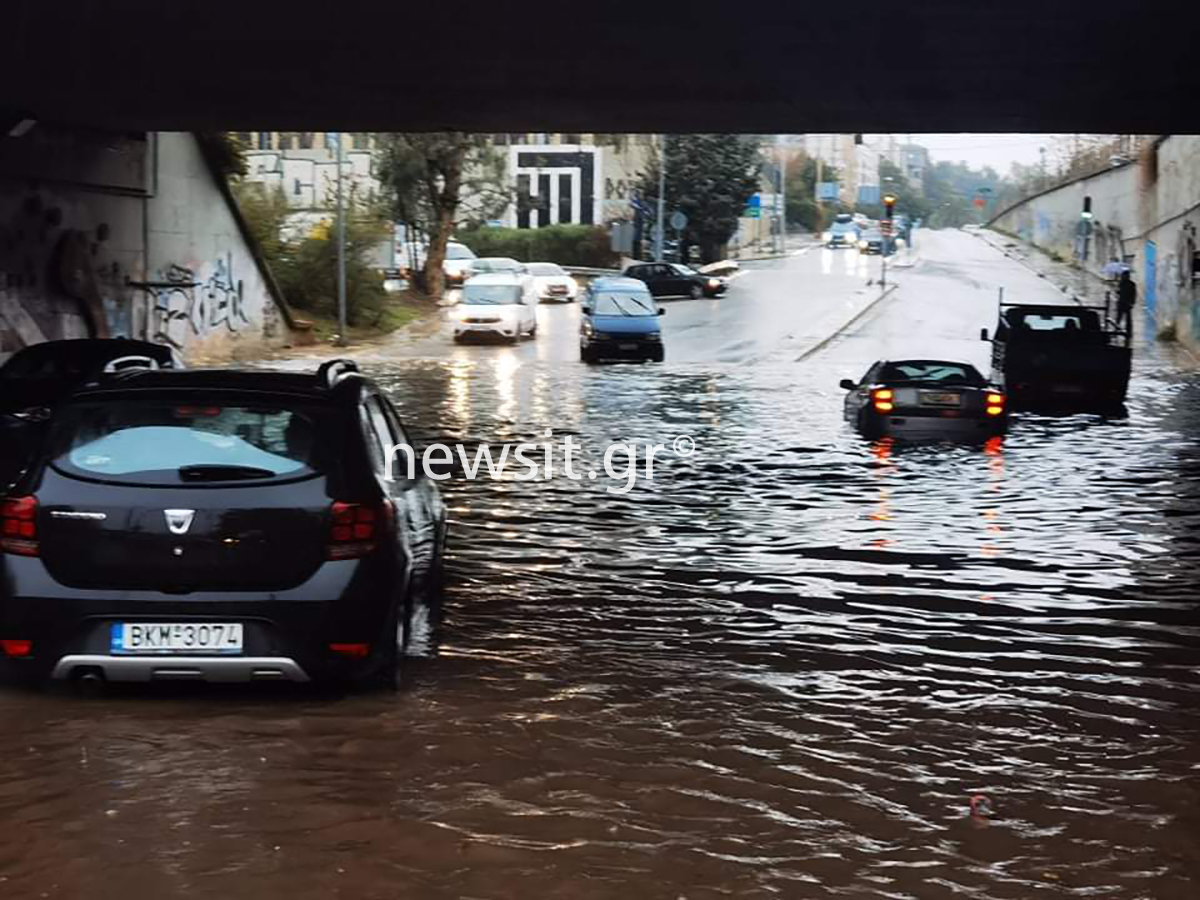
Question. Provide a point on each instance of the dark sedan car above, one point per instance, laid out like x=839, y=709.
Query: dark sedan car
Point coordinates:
x=42, y=374
x=220, y=526
x=36, y=378
x=676, y=280
x=925, y=399
x=871, y=241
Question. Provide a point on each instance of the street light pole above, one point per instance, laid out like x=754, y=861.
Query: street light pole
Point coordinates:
x=662, y=182
x=341, y=249
x=781, y=200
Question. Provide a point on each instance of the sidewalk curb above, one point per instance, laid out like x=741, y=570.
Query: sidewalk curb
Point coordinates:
x=1024, y=260
x=824, y=342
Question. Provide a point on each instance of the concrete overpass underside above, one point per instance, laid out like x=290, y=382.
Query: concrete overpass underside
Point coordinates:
x=924, y=65
x=113, y=219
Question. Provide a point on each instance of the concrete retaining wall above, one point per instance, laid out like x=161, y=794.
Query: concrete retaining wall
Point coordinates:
x=1146, y=214
x=126, y=235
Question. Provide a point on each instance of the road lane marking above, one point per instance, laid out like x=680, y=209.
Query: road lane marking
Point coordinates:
x=821, y=345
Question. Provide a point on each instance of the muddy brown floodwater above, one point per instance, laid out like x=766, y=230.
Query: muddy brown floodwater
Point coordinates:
x=780, y=669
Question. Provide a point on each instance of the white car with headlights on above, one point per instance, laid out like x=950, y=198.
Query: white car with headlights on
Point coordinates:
x=553, y=284
x=500, y=305
x=457, y=264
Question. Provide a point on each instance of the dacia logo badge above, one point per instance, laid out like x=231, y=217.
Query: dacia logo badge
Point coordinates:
x=179, y=520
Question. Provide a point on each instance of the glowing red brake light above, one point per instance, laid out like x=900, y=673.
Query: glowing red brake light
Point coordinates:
x=18, y=526
x=355, y=531
x=17, y=649
x=352, y=651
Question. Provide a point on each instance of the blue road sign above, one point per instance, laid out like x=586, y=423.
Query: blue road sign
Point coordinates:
x=827, y=190
x=868, y=195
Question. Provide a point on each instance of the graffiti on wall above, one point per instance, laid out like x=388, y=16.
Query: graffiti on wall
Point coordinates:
x=186, y=307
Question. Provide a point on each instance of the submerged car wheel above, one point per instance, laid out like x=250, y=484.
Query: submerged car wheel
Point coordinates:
x=655, y=355
x=587, y=355
x=696, y=292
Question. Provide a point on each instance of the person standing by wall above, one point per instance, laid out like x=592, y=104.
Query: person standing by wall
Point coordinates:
x=1126, y=298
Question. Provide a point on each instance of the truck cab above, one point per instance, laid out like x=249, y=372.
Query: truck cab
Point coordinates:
x=1060, y=358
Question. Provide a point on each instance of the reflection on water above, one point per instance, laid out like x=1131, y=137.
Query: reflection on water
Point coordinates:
x=778, y=670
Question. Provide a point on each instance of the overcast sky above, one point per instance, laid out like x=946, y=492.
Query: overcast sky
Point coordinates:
x=995, y=150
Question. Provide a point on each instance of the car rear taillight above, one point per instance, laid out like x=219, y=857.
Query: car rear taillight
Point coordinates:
x=882, y=399
x=16, y=649
x=995, y=404
x=351, y=651
x=18, y=526
x=356, y=529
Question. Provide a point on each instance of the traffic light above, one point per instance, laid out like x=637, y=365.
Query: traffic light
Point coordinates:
x=889, y=205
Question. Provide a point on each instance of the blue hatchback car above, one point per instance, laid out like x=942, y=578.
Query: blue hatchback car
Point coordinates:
x=618, y=320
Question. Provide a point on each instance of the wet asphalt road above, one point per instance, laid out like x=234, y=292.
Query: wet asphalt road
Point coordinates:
x=778, y=669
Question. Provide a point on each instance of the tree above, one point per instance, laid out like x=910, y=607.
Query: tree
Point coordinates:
x=305, y=266
x=803, y=209
x=266, y=213
x=709, y=178
x=308, y=271
x=428, y=176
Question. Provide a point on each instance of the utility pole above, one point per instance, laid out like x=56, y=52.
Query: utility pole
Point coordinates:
x=341, y=249
x=817, y=198
x=781, y=200
x=662, y=186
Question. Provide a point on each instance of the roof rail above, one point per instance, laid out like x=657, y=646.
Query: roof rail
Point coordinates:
x=331, y=372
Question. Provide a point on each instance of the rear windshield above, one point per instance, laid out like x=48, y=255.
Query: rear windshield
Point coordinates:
x=939, y=372
x=458, y=251
x=545, y=269
x=1064, y=322
x=171, y=443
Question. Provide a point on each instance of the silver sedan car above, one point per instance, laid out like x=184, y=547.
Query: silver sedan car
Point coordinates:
x=925, y=399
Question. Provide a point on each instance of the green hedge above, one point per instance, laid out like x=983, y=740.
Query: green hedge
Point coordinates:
x=567, y=245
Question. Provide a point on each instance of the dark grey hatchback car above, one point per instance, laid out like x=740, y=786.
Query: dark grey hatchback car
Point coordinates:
x=218, y=526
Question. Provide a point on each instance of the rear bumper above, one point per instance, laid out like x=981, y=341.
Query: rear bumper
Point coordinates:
x=215, y=669
x=286, y=635
x=910, y=427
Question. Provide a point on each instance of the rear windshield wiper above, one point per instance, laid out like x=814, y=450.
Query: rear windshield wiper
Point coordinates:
x=220, y=472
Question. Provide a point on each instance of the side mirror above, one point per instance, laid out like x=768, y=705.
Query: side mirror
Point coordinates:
x=983, y=334
x=847, y=385
x=661, y=311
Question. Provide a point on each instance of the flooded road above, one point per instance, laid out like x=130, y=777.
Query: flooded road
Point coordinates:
x=781, y=668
